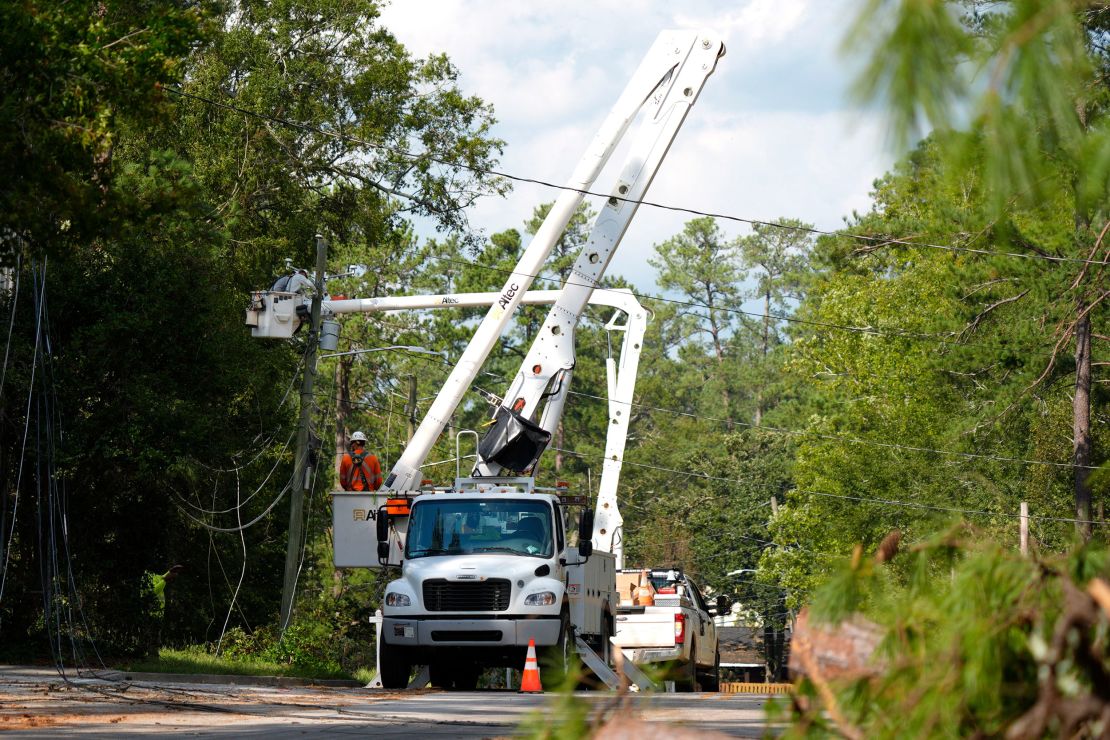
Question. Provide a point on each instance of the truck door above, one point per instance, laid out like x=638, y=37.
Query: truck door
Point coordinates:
x=705, y=642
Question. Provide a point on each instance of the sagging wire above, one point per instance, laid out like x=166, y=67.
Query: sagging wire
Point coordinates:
x=239, y=505
x=242, y=572
x=23, y=448
x=285, y=397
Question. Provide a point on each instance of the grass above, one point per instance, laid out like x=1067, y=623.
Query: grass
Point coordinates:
x=194, y=660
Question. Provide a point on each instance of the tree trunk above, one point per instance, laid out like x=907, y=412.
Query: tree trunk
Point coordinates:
x=763, y=351
x=718, y=349
x=1081, y=424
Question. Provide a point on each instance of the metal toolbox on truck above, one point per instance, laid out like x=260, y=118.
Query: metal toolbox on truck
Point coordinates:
x=354, y=521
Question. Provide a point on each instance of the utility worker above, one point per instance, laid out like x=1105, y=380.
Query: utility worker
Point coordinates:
x=359, y=471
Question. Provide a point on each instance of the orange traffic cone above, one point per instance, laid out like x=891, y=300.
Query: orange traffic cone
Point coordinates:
x=530, y=681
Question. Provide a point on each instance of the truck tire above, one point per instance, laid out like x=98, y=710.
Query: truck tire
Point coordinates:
x=688, y=675
x=556, y=658
x=606, y=651
x=466, y=677
x=441, y=676
x=395, y=670
x=711, y=679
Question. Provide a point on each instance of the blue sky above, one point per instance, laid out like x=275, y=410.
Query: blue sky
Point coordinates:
x=773, y=134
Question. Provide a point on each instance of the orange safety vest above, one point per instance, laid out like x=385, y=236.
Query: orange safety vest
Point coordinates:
x=366, y=475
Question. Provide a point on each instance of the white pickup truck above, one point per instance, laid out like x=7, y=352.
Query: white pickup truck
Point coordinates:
x=675, y=632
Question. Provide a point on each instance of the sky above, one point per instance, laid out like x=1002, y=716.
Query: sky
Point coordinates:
x=773, y=134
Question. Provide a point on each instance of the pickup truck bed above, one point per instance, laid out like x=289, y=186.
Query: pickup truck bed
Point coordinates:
x=675, y=633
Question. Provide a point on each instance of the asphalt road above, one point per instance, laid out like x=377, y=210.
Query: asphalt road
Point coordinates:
x=36, y=703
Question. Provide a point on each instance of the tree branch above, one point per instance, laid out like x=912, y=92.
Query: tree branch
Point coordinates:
x=975, y=322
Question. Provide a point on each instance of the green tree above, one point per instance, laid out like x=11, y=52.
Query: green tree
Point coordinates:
x=703, y=267
x=919, y=363
x=1039, y=117
x=775, y=255
x=174, y=419
x=72, y=74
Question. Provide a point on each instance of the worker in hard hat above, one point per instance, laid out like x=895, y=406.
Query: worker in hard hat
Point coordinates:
x=359, y=470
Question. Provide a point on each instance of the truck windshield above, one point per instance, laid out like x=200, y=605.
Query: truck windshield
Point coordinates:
x=450, y=526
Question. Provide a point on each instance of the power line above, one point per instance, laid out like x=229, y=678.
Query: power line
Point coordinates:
x=790, y=432
x=252, y=522
x=903, y=333
x=39, y=306
x=238, y=506
x=880, y=241
x=836, y=437
x=243, y=570
x=891, y=502
x=285, y=397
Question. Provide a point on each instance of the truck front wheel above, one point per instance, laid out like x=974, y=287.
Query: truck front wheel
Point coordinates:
x=395, y=668
x=711, y=679
x=466, y=677
x=556, y=659
x=463, y=677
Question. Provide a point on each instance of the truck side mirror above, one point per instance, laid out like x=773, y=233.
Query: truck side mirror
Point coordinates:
x=382, y=523
x=586, y=534
x=723, y=604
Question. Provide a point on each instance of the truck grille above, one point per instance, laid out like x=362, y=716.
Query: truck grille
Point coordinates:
x=441, y=595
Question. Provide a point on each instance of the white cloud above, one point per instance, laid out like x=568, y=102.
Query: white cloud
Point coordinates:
x=769, y=137
x=757, y=24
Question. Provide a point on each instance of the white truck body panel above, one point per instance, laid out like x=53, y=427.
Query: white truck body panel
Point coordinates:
x=591, y=591
x=353, y=516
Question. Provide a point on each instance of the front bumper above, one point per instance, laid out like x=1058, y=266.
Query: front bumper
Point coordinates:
x=500, y=631
x=641, y=656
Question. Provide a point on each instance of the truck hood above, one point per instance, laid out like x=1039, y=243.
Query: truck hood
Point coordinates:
x=474, y=568
x=520, y=571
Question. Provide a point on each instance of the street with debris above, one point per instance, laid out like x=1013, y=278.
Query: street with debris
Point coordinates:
x=39, y=703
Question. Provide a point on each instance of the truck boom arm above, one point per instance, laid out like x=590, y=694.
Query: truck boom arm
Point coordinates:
x=550, y=360
x=668, y=82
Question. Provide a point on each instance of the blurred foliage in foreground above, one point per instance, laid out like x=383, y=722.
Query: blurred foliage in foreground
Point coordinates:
x=977, y=641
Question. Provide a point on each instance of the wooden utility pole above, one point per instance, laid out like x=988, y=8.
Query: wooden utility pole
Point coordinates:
x=302, y=468
x=1024, y=528
x=774, y=506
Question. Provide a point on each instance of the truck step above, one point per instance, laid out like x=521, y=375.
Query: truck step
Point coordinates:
x=635, y=675
x=608, y=676
x=594, y=662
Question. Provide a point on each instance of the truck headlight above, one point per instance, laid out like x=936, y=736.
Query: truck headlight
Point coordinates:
x=544, y=598
x=395, y=599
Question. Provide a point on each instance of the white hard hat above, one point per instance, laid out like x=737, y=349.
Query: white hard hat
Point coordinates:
x=358, y=437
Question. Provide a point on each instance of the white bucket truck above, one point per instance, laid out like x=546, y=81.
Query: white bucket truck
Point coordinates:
x=487, y=568
x=487, y=565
